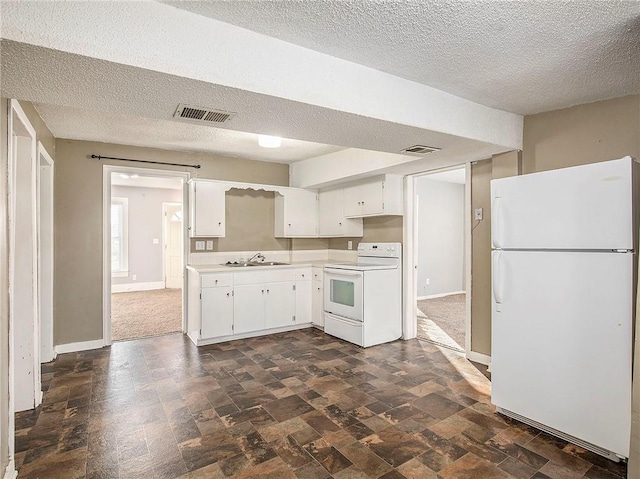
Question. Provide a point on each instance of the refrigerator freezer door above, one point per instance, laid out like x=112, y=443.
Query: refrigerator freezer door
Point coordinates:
x=561, y=342
x=585, y=207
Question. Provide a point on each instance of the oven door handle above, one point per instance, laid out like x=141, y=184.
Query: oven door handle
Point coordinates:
x=334, y=273
x=342, y=319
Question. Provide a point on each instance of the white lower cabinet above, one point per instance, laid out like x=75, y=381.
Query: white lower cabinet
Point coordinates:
x=217, y=312
x=279, y=304
x=303, y=296
x=222, y=306
x=248, y=314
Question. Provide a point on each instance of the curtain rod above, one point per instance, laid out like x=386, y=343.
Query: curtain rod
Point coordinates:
x=143, y=161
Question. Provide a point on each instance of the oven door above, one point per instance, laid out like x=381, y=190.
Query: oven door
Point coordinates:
x=343, y=293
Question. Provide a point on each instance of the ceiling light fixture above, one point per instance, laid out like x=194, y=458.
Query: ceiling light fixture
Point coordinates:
x=266, y=141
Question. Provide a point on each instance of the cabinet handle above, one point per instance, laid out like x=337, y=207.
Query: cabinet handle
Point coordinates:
x=219, y=223
x=263, y=291
x=228, y=295
x=267, y=291
x=216, y=281
x=303, y=275
x=339, y=224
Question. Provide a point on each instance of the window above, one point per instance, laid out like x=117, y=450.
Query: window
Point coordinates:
x=119, y=237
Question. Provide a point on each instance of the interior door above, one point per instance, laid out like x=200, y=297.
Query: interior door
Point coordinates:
x=173, y=246
x=562, y=341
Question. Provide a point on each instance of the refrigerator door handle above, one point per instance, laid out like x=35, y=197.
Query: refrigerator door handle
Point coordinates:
x=498, y=280
x=496, y=222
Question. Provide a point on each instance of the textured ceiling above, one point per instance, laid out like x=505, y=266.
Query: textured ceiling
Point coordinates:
x=106, y=127
x=519, y=56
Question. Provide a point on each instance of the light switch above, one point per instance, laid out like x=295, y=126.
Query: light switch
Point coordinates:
x=156, y=241
x=199, y=245
x=209, y=245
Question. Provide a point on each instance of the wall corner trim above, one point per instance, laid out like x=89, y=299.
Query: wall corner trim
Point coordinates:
x=10, y=472
x=479, y=358
x=80, y=346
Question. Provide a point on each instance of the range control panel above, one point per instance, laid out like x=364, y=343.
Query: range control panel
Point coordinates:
x=380, y=250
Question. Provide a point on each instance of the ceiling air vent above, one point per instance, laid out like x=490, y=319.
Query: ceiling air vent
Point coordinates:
x=419, y=150
x=194, y=113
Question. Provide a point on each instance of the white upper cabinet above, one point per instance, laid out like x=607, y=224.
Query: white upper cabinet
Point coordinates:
x=379, y=196
x=331, y=219
x=206, y=209
x=296, y=214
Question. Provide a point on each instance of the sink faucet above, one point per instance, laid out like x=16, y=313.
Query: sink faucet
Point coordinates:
x=258, y=256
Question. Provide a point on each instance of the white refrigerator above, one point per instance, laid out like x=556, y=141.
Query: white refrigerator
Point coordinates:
x=563, y=302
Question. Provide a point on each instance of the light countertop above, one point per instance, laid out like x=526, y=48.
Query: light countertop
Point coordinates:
x=221, y=268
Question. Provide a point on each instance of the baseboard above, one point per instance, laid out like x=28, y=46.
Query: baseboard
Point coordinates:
x=129, y=287
x=10, y=472
x=193, y=335
x=479, y=358
x=441, y=295
x=80, y=346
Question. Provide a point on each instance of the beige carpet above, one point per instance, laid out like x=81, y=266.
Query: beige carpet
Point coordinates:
x=145, y=313
x=442, y=320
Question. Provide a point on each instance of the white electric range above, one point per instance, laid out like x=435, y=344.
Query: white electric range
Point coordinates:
x=363, y=300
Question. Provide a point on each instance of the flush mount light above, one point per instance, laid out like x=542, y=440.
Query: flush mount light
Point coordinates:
x=266, y=141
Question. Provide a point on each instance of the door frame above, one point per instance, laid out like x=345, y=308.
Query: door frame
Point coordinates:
x=165, y=205
x=410, y=328
x=45, y=162
x=107, y=170
x=15, y=116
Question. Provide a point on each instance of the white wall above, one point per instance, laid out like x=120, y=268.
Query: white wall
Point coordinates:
x=145, y=225
x=440, y=237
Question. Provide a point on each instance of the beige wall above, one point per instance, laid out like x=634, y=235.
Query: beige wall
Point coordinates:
x=376, y=229
x=583, y=134
x=78, y=221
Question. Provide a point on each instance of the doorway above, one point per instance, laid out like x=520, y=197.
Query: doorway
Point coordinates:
x=146, y=252
x=440, y=285
x=439, y=257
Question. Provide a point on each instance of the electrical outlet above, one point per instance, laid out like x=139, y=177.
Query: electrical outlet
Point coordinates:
x=133, y=277
x=478, y=214
x=427, y=281
x=156, y=241
x=349, y=244
x=199, y=245
x=209, y=245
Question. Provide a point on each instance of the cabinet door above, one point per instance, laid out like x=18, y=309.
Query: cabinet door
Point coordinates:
x=352, y=197
x=371, y=198
x=303, y=302
x=248, y=308
x=217, y=312
x=330, y=214
x=317, y=304
x=207, y=209
x=301, y=213
x=279, y=304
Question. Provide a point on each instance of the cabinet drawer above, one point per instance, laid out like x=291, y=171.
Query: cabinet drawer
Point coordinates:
x=216, y=280
x=303, y=274
x=273, y=276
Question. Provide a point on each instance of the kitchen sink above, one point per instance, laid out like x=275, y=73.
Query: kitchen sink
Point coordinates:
x=245, y=264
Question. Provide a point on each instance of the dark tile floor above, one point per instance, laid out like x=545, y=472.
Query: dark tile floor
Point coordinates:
x=296, y=405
